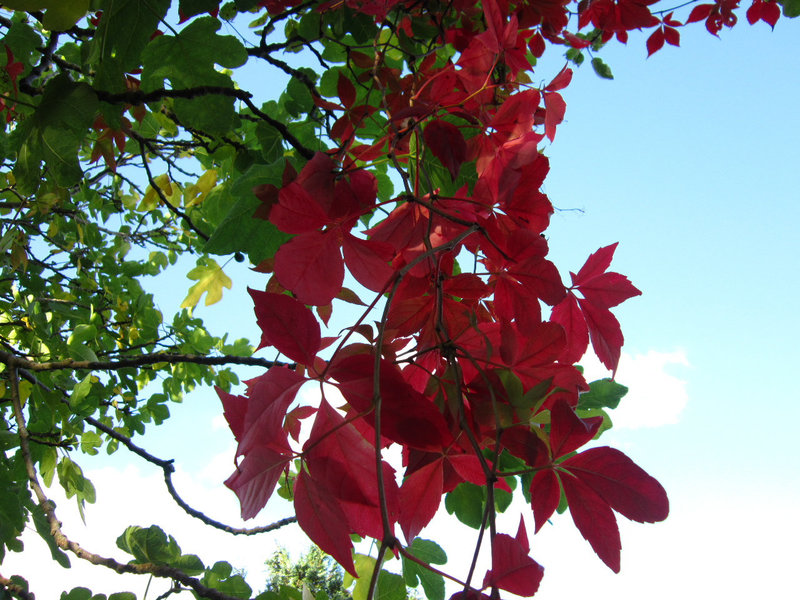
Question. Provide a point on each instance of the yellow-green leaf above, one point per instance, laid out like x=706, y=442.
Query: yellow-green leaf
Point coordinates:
x=210, y=279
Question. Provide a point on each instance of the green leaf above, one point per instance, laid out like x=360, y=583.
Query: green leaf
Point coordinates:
x=122, y=34
x=149, y=544
x=190, y=8
x=466, y=501
x=43, y=529
x=603, y=393
x=390, y=587
x=189, y=564
x=63, y=14
x=791, y=8
x=55, y=132
x=415, y=574
x=210, y=280
x=122, y=596
x=601, y=68
x=79, y=399
x=219, y=577
x=237, y=230
x=187, y=60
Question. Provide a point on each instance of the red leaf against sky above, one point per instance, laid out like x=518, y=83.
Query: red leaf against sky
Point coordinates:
x=446, y=142
x=625, y=486
x=604, y=332
x=594, y=519
x=255, y=478
x=512, y=569
x=597, y=264
x=608, y=290
x=269, y=397
x=556, y=109
x=234, y=409
x=323, y=521
x=287, y=325
x=568, y=314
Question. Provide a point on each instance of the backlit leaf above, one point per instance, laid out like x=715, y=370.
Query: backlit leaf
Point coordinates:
x=210, y=280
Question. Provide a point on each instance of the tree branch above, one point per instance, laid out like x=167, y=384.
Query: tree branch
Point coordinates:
x=63, y=542
x=137, y=361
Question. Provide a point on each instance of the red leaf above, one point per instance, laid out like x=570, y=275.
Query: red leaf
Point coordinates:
x=420, y=496
x=595, y=520
x=368, y=261
x=269, y=396
x=604, y=332
x=341, y=462
x=447, y=144
x=595, y=265
x=545, y=495
x=608, y=290
x=512, y=569
x=699, y=12
x=568, y=314
x=407, y=417
x=311, y=266
x=255, y=478
x=297, y=210
x=323, y=521
x=234, y=409
x=625, y=486
x=655, y=42
x=287, y=325
x=291, y=424
x=673, y=36
x=346, y=91
x=568, y=431
x=556, y=109
x=561, y=80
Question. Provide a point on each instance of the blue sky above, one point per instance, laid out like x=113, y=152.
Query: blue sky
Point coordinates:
x=688, y=159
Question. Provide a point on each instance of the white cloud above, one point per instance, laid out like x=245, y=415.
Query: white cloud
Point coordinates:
x=655, y=398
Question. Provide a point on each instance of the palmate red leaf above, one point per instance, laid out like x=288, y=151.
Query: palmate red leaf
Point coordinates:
x=311, y=266
x=255, y=478
x=446, y=142
x=297, y=210
x=287, y=325
x=595, y=520
x=625, y=486
x=568, y=314
x=420, y=497
x=560, y=81
x=512, y=569
x=604, y=332
x=323, y=521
